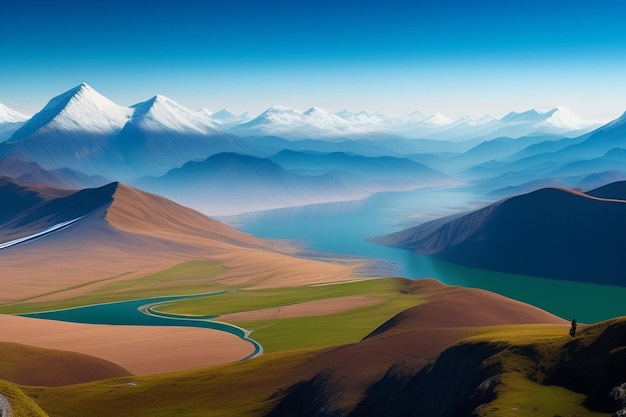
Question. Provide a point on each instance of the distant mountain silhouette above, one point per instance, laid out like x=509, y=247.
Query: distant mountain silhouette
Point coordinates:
x=229, y=183
x=33, y=173
x=552, y=232
x=374, y=169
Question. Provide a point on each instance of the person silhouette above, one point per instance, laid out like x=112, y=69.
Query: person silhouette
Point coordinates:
x=572, y=330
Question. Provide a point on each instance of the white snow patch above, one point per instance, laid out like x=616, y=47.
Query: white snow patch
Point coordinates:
x=8, y=115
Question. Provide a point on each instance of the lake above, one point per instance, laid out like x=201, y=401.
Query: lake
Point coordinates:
x=342, y=228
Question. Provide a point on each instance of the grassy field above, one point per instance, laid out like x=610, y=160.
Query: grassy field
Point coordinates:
x=306, y=332
x=522, y=397
x=520, y=392
x=22, y=405
x=254, y=387
x=185, y=278
x=239, y=389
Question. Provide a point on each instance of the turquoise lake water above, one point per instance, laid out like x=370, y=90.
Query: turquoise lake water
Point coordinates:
x=128, y=313
x=343, y=228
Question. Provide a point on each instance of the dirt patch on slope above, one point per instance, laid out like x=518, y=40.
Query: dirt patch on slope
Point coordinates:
x=306, y=309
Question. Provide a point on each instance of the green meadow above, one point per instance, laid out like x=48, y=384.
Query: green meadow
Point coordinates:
x=192, y=277
x=321, y=331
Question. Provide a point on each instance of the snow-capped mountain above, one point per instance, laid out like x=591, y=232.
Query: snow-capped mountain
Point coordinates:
x=79, y=110
x=73, y=130
x=160, y=113
x=83, y=130
x=8, y=115
x=10, y=121
x=557, y=121
x=369, y=121
x=314, y=123
x=420, y=125
x=162, y=134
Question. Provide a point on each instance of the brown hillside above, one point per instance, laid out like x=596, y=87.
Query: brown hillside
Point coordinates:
x=405, y=343
x=148, y=214
x=142, y=350
x=124, y=233
x=28, y=365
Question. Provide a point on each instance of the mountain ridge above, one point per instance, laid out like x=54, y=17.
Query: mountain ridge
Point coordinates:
x=552, y=233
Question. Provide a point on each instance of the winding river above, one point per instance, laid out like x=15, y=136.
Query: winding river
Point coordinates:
x=141, y=312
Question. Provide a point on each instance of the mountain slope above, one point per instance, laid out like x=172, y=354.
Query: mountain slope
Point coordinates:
x=405, y=344
x=554, y=233
x=27, y=365
x=120, y=234
x=114, y=222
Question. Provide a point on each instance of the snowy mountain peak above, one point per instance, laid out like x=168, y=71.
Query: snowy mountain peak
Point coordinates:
x=563, y=117
x=559, y=118
x=205, y=112
x=289, y=123
x=347, y=114
x=415, y=116
x=160, y=112
x=279, y=109
x=438, y=119
x=315, y=110
x=278, y=113
x=8, y=115
x=80, y=109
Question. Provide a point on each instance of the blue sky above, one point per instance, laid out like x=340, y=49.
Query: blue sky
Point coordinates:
x=458, y=57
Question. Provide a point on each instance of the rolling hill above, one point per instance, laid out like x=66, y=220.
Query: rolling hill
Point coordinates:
x=428, y=352
x=63, y=248
x=28, y=365
x=553, y=233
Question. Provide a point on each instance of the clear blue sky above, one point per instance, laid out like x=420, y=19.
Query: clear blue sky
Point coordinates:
x=458, y=57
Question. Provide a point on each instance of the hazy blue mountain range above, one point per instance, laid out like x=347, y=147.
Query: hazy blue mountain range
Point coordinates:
x=230, y=183
x=350, y=154
x=384, y=168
